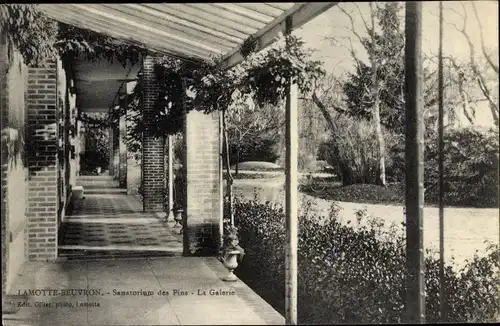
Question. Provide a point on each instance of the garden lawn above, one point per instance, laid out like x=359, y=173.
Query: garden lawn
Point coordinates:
x=393, y=194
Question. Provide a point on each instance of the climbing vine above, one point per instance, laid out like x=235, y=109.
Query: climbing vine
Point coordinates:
x=39, y=38
x=264, y=76
x=208, y=87
x=185, y=85
x=29, y=31
x=73, y=42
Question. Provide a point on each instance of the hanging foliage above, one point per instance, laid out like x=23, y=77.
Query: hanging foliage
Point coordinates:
x=269, y=74
x=74, y=42
x=264, y=76
x=29, y=31
x=39, y=38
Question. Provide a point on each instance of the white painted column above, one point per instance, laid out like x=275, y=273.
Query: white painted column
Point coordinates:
x=292, y=142
x=170, y=216
x=291, y=196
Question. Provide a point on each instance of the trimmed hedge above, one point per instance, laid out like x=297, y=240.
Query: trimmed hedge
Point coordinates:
x=353, y=274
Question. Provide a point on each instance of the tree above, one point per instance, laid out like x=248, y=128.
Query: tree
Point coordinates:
x=317, y=114
x=479, y=72
x=374, y=92
x=251, y=130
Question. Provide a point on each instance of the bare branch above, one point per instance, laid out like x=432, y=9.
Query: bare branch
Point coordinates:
x=483, y=46
x=363, y=18
x=334, y=41
x=492, y=104
x=353, y=29
x=480, y=78
x=325, y=112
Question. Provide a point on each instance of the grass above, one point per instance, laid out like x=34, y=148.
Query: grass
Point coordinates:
x=393, y=194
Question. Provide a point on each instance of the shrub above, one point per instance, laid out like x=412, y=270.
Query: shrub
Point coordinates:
x=358, y=155
x=259, y=166
x=258, y=148
x=96, y=149
x=180, y=184
x=353, y=273
x=306, y=162
x=471, y=168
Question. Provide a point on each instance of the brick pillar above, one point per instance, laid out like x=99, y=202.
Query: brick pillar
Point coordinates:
x=111, y=152
x=152, y=148
x=116, y=154
x=122, y=147
x=203, y=185
x=42, y=196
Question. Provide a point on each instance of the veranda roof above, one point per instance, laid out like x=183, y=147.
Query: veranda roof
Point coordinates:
x=188, y=30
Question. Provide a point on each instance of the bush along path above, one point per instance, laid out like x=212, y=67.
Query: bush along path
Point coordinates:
x=355, y=273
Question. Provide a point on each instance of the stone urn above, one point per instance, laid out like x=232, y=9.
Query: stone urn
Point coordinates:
x=231, y=262
x=178, y=219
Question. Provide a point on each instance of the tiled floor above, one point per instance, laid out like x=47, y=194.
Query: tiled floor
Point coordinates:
x=141, y=291
x=152, y=291
x=112, y=222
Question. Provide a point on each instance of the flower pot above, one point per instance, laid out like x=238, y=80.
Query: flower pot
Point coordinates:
x=231, y=262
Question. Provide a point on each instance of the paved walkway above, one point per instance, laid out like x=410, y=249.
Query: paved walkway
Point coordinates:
x=110, y=222
x=91, y=290
x=151, y=291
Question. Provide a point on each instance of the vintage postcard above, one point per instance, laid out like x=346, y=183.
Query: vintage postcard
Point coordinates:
x=249, y=163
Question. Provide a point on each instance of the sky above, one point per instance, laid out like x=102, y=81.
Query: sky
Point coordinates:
x=334, y=23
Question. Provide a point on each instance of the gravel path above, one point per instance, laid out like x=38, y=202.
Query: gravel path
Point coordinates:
x=466, y=229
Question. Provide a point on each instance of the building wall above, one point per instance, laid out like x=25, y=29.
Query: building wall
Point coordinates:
x=13, y=85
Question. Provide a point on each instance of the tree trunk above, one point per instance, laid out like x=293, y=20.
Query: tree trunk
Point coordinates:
x=333, y=128
x=380, y=141
x=376, y=102
x=347, y=176
x=236, y=169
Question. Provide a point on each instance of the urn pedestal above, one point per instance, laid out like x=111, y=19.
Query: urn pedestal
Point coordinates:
x=231, y=262
x=178, y=219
